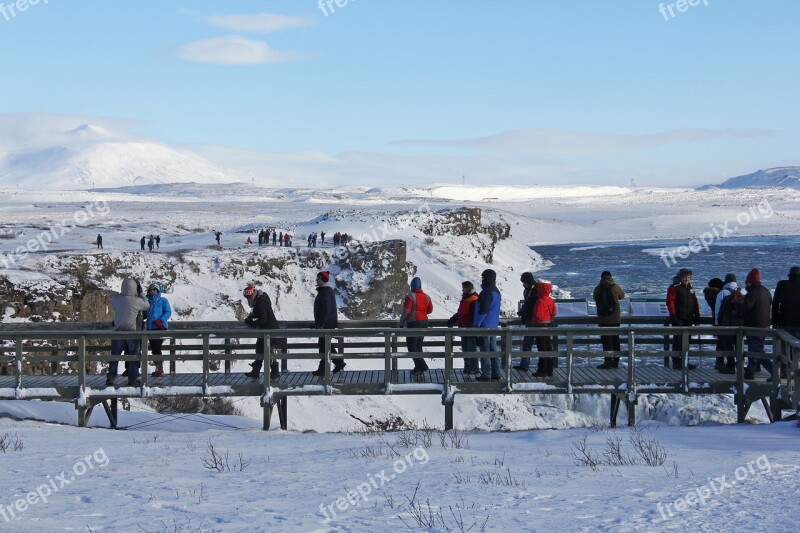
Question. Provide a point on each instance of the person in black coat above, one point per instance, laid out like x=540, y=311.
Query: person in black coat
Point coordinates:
x=786, y=304
x=325, y=317
x=525, y=313
x=758, y=304
x=262, y=317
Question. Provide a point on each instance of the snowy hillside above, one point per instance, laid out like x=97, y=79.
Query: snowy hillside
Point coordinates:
x=771, y=177
x=67, y=154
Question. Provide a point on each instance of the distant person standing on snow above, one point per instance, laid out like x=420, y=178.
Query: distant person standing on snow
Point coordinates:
x=99, y=241
x=218, y=234
x=158, y=241
x=151, y=242
x=141, y=243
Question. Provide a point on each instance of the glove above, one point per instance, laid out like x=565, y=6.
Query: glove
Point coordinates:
x=159, y=324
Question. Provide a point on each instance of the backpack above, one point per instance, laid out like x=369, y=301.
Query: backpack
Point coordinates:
x=606, y=304
x=732, y=310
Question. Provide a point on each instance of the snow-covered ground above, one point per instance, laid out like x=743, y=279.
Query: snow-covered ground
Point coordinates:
x=156, y=477
x=153, y=478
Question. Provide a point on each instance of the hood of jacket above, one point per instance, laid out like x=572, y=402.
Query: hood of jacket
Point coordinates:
x=129, y=287
x=488, y=278
x=543, y=288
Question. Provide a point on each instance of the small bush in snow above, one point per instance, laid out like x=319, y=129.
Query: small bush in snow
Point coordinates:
x=9, y=441
x=191, y=404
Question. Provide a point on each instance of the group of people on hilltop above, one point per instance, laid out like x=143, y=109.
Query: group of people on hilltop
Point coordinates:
x=153, y=242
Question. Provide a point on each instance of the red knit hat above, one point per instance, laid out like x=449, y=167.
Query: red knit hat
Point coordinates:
x=249, y=292
x=754, y=276
x=325, y=276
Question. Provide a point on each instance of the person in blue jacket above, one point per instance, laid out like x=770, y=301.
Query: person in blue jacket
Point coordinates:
x=487, y=315
x=157, y=319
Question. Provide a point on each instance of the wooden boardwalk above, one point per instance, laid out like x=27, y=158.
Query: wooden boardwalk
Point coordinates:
x=378, y=348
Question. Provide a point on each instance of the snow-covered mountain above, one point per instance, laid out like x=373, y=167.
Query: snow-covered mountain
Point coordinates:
x=771, y=177
x=64, y=153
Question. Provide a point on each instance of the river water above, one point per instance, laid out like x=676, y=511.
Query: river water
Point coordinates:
x=645, y=269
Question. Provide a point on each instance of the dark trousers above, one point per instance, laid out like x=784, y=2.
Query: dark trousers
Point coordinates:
x=155, y=349
x=414, y=344
x=610, y=344
x=128, y=347
x=468, y=344
x=545, y=344
x=337, y=363
x=677, y=340
x=755, y=344
x=258, y=363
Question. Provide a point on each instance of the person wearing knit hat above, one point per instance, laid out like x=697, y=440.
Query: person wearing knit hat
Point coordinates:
x=786, y=304
x=261, y=317
x=758, y=304
x=325, y=317
x=416, y=307
x=525, y=313
x=729, y=278
x=607, y=295
x=487, y=315
x=684, y=310
x=463, y=319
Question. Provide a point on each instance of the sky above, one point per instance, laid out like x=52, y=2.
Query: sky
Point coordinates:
x=413, y=91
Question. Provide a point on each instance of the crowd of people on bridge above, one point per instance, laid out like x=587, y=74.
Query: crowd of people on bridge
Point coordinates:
x=750, y=306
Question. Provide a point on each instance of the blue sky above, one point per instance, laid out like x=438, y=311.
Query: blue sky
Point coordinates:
x=512, y=91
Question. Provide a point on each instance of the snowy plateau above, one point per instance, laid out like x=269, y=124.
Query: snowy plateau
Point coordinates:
x=335, y=469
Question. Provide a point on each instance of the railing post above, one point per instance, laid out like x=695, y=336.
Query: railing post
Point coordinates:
x=206, y=362
x=447, y=397
x=395, y=349
x=172, y=352
x=741, y=404
x=227, y=352
x=570, y=342
x=774, y=402
x=81, y=401
x=18, y=364
x=388, y=337
x=144, y=371
x=632, y=396
x=685, y=338
x=327, y=356
x=508, y=342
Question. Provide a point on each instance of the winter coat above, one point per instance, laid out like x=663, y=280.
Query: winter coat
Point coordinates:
x=710, y=294
x=465, y=315
x=727, y=290
x=786, y=304
x=758, y=304
x=529, y=300
x=325, y=308
x=682, y=303
x=544, y=311
x=416, y=307
x=159, y=313
x=127, y=305
x=487, y=310
x=617, y=294
x=262, y=316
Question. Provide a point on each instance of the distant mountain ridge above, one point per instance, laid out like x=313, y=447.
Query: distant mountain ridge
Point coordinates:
x=771, y=177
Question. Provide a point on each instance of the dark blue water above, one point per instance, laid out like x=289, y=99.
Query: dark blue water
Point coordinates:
x=639, y=267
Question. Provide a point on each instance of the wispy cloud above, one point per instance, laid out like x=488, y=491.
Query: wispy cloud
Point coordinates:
x=551, y=142
x=235, y=50
x=259, y=22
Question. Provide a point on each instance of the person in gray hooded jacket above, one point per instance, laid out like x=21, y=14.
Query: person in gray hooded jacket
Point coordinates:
x=127, y=305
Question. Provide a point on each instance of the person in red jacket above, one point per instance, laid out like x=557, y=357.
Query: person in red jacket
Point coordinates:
x=544, y=311
x=416, y=308
x=463, y=319
x=684, y=310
